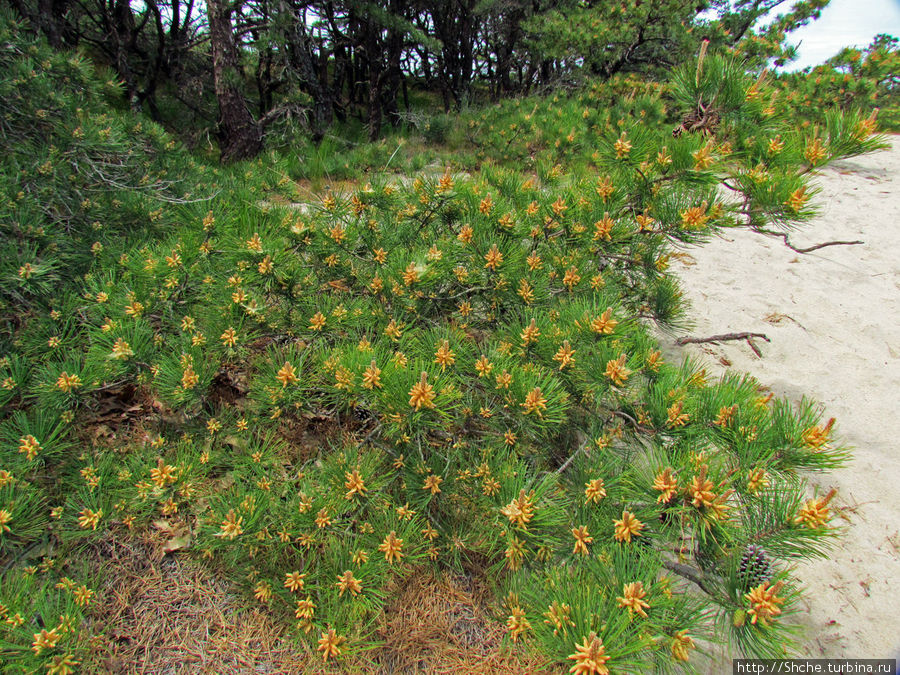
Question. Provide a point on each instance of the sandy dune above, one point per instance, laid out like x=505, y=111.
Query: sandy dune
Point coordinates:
x=833, y=317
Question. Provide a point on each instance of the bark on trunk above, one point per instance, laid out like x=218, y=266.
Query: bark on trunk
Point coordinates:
x=239, y=135
x=311, y=75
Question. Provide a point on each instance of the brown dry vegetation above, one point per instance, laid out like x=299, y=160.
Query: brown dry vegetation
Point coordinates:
x=171, y=614
x=442, y=625
x=158, y=613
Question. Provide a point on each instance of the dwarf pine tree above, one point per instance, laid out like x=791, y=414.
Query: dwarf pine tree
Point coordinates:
x=479, y=346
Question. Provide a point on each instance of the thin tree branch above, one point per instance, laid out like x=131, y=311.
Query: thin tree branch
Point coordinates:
x=565, y=465
x=690, y=573
x=625, y=416
x=722, y=338
x=714, y=339
x=808, y=249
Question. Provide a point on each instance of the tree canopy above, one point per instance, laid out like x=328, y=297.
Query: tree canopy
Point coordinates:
x=321, y=60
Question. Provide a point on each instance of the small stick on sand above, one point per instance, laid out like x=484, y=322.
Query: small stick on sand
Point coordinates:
x=727, y=336
x=808, y=249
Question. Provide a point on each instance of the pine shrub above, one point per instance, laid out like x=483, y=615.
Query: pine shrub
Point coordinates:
x=479, y=348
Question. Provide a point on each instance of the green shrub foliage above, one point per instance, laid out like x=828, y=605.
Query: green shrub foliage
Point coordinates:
x=855, y=79
x=479, y=346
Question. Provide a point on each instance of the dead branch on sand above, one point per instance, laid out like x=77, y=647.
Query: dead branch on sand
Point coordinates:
x=808, y=249
x=714, y=339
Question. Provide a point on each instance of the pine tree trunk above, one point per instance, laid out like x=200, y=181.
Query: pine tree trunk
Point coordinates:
x=240, y=137
x=312, y=76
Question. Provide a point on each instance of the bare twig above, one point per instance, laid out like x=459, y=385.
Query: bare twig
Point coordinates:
x=371, y=433
x=721, y=338
x=715, y=339
x=808, y=249
x=277, y=113
x=625, y=416
x=565, y=465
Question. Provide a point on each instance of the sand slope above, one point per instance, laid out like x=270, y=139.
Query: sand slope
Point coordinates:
x=833, y=317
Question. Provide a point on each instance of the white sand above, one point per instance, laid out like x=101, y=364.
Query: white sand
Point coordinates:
x=833, y=317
